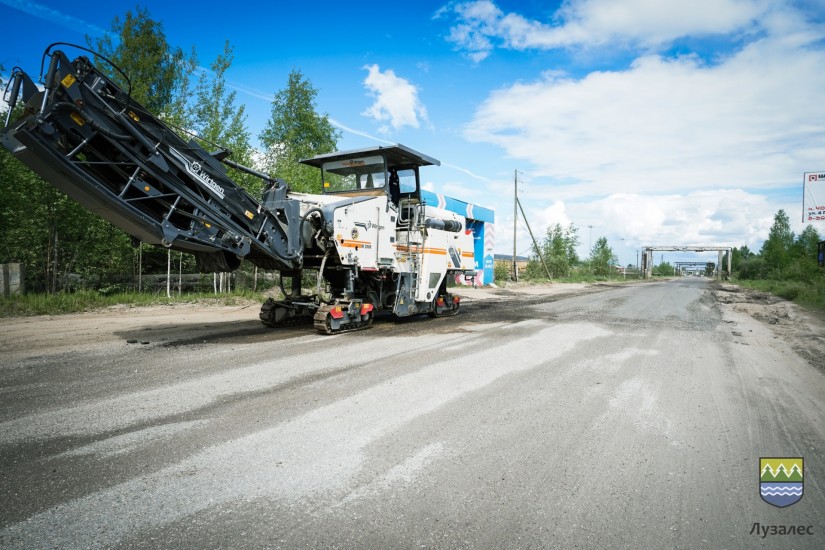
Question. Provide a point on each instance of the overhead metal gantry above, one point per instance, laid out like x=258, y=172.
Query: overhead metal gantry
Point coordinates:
x=647, y=257
x=692, y=266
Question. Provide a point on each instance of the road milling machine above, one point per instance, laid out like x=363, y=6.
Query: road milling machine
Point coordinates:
x=373, y=242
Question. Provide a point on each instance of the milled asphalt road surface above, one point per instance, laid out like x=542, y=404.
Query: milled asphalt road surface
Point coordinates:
x=621, y=417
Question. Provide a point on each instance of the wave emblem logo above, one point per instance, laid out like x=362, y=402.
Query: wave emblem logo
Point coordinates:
x=781, y=480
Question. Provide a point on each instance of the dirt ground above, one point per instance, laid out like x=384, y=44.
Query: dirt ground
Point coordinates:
x=56, y=334
x=803, y=331
x=118, y=325
x=124, y=325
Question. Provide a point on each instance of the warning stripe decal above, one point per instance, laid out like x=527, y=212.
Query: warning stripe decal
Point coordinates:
x=353, y=244
x=438, y=251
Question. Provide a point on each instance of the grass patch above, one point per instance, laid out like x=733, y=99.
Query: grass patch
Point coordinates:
x=87, y=300
x=810, y=295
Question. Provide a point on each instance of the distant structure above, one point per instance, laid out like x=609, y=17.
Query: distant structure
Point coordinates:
x=11, y=280
x=507, y=261
x=647, y=257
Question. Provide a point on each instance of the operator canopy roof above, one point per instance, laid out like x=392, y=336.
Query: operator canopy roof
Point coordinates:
x=395, y=154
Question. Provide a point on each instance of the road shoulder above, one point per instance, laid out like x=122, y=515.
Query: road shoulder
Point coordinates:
x=801, y=330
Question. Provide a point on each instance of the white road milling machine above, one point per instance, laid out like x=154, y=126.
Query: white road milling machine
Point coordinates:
x=372, y=240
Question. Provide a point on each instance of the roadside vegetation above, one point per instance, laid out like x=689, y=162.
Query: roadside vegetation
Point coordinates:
x=785, y=266
x=558, y=259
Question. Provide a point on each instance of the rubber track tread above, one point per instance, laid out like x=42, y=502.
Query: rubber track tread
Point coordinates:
x=322, y=327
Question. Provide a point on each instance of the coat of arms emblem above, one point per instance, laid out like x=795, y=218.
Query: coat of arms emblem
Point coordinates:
x=781, y=480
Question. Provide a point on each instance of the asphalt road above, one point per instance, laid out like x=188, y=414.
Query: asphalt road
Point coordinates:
x=618, y=417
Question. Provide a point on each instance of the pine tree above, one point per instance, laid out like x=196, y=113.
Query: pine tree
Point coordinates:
x=602, y=257
x=153, y=67
x=296, y=131
x=775, y=251
x=219, y=122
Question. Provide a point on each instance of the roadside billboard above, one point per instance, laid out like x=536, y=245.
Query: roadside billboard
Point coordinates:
x=813, y=197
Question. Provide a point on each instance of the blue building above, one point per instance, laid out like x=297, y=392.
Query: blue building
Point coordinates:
x=481, y=221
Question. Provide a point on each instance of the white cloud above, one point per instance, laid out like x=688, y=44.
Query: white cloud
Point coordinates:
x=667, y=150
x=726, y=217
x=674, y=150
x=551, y=215
x=478, y=24
x=662, y=125
x=396, y=100
x=648, y=22
x=481, y=25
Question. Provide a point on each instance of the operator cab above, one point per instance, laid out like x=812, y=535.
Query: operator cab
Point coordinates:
x=374, y=171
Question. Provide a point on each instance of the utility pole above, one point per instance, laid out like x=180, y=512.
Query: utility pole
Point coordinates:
x=538, y=250
x=515, y=221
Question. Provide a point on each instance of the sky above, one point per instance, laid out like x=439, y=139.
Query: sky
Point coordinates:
x=648, y=122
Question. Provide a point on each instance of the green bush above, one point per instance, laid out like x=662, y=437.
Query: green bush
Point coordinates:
x=753, y=268
x=501, y=271
x=789, y=292
x=810, y=295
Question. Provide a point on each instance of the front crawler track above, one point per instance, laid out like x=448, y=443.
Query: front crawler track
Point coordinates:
x=328, y=318
x=343, y=317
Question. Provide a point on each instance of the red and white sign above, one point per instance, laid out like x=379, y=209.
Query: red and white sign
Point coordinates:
x=813, y=197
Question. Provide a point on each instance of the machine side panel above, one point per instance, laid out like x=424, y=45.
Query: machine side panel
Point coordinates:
x=363, y=234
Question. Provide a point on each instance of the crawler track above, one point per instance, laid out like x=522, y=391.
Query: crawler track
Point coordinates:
x=324, y=322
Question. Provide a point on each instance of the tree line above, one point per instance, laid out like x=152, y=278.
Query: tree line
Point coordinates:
x=62, y=246
x=556, y=255
x=783, y=256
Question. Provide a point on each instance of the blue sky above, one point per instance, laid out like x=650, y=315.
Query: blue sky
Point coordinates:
x=656, y=122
